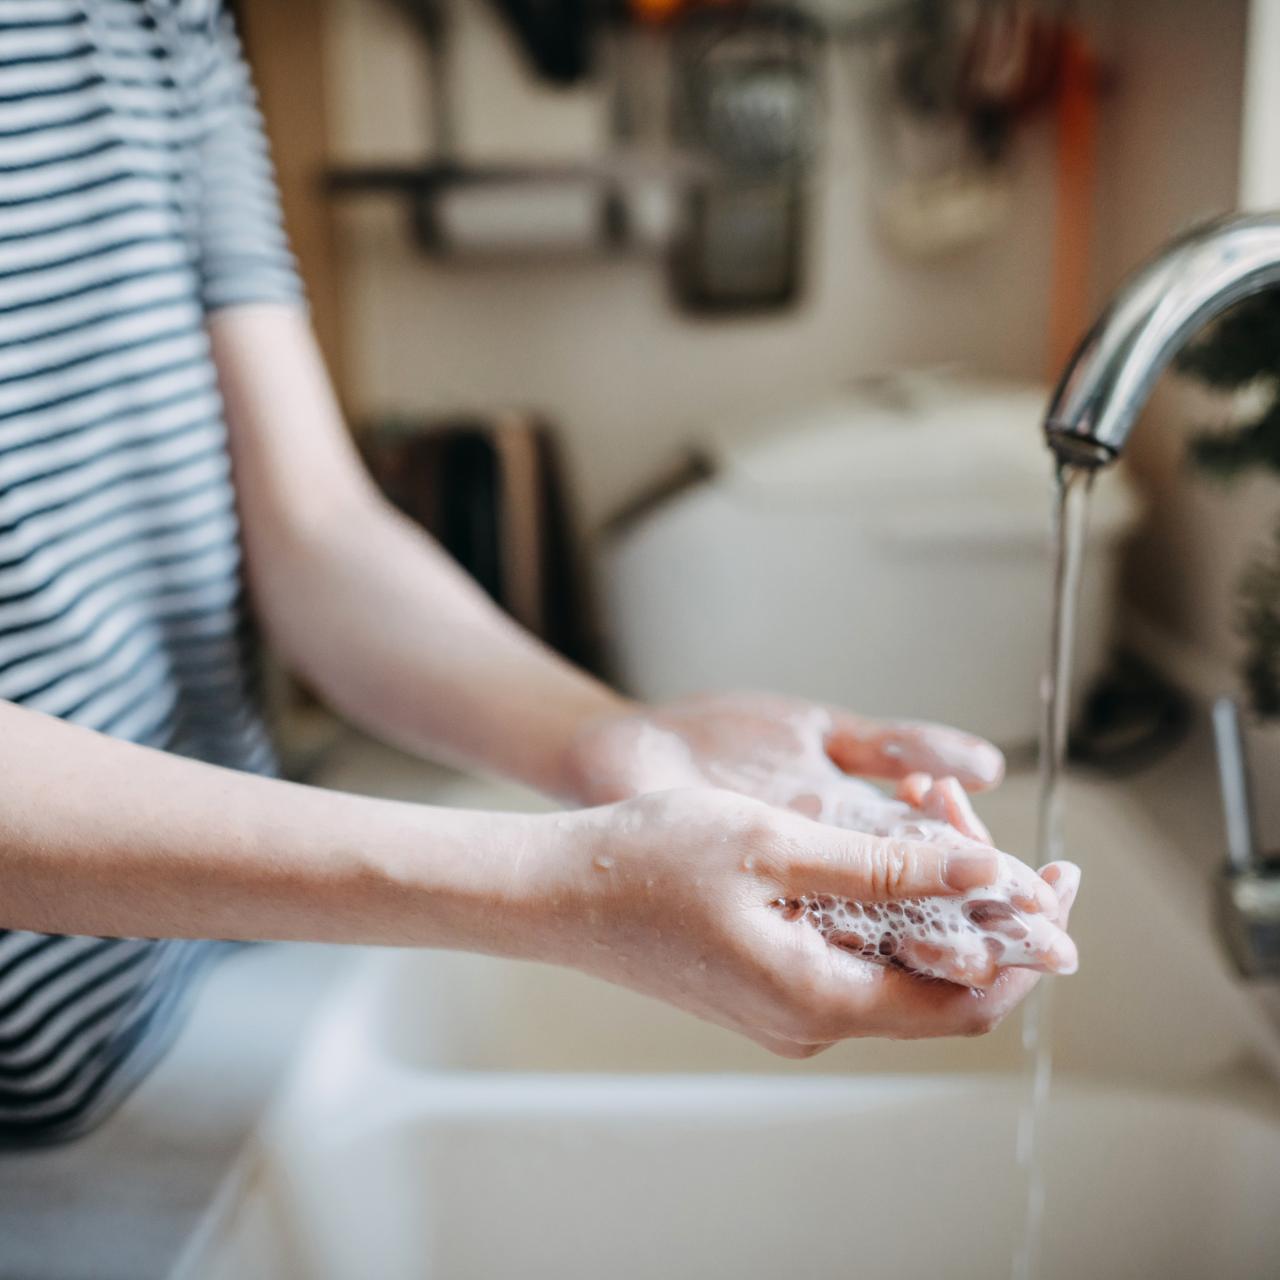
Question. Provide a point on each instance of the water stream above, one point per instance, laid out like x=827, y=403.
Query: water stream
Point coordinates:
x=1070, y=518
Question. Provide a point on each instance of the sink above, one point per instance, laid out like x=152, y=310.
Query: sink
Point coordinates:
x=638, y=1178
x=457, y=1116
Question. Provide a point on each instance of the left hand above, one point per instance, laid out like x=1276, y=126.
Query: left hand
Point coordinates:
x=791, y=753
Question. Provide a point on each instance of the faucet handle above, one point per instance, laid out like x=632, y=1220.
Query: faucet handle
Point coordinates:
x=1249, y=888
x=1233, y=777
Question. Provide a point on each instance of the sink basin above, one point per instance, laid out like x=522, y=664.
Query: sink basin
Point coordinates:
x=457, y=1116
x=687, y=1179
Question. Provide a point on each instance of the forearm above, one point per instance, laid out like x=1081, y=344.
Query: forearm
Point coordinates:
x=102, y=837
x=364, y=605
x=395, y=636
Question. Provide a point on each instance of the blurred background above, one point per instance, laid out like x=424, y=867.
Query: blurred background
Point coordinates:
x=684, y=321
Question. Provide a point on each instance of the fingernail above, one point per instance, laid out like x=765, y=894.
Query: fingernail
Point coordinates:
x=1039, y=897
x=1064, y=958
x=979, y=759
x=989, y=762
x=1068, y=885
x=970, y=868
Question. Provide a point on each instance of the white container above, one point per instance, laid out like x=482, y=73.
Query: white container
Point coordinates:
x=887, y=551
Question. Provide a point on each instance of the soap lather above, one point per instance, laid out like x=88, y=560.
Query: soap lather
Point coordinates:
x=967, y=938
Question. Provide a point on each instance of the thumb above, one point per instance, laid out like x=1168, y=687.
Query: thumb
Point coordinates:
x=875, y=869
x=893, y=749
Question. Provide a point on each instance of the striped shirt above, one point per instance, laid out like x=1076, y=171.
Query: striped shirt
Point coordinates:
x=135, y=196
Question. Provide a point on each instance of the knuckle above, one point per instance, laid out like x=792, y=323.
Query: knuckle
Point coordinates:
x=759, y=828
x=761, y=837
x=890, y=869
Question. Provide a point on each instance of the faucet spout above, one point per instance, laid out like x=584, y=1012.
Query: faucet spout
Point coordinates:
x=1154, y=314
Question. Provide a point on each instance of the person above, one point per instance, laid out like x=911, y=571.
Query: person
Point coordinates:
x=165, y=423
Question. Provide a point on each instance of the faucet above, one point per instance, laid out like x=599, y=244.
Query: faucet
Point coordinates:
x=1248, y=905
x=1108, y=380
x=1153, y=315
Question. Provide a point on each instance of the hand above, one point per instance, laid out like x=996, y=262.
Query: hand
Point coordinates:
x=676, y=894
x=793, y=754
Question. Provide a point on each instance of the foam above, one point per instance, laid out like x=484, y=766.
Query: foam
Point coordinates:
x=963, y=939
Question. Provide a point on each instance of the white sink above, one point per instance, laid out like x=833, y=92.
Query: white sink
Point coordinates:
x=460, y=1117
x=636, y=1178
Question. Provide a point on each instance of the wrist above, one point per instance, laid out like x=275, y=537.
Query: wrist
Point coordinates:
x=579, y=770
x=507, y=884
x=555, y=900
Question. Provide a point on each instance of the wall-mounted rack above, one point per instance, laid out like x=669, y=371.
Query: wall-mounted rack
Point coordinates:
x=680, y=169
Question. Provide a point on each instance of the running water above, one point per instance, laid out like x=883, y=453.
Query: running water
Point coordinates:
x=1070, y=516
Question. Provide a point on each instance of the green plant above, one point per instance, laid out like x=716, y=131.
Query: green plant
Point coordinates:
x=1242, y=352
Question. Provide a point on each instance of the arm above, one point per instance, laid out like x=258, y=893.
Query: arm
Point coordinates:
x=671, y=894
x=398, y=638
x=103, y=837
x=363, y=604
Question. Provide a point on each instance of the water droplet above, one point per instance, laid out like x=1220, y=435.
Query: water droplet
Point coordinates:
x=748, y=863
x=602, y=861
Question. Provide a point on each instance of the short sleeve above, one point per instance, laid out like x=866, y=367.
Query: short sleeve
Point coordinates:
x=244, y=254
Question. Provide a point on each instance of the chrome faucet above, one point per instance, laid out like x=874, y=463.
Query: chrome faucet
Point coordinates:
x=1153, y=315
x=1108, y=380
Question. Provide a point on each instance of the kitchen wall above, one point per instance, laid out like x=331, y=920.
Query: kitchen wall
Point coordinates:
x=596, y=343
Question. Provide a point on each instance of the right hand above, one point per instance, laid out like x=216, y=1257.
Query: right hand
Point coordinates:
x=672, y=894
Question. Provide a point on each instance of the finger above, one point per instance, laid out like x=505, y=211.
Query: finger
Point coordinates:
x=1059, y=956
x=1028, y=891
x=857, y=805
x=972, y=968
x=893, y=749
x=874, y=869
x=1059, y=953
x=914, y=789
x=787, y=1048
x=844, y=996
x=1064, y=879
x=946, y=800
x=977, y=962
x=919, y=1008
x=903, y=1006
